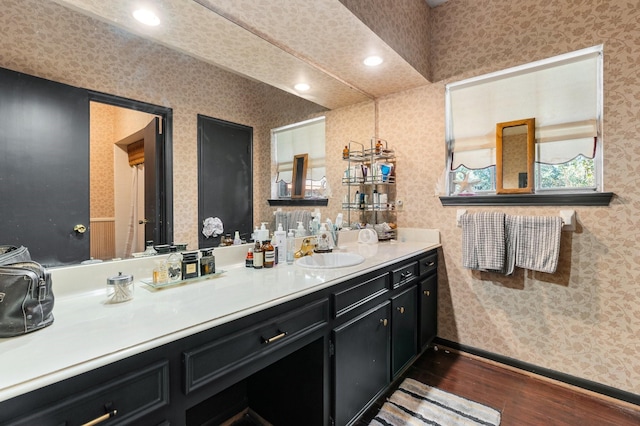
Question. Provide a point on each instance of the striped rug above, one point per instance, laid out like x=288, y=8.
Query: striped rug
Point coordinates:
x=415, y=403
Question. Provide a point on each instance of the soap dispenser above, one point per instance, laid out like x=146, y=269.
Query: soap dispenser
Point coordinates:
x=263, y=234
x=300, y=232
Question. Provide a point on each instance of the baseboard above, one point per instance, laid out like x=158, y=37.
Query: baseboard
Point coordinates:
x=574, y=381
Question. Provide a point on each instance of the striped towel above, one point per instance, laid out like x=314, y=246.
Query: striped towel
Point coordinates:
x=483, y=241
x=534, y=242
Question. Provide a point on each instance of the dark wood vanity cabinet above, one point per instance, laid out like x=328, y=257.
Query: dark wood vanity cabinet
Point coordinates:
x=321, y=359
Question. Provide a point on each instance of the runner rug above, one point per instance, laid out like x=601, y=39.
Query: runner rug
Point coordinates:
x=415, y=403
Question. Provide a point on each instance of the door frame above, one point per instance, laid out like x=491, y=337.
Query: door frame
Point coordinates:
x=165, y=158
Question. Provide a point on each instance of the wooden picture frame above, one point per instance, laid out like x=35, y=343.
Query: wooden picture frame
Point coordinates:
x=299, y=180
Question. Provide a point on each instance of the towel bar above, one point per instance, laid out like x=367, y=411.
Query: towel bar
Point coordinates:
x=568, y=219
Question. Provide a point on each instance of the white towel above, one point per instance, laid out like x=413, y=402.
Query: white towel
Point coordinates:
x=533, y=242
x=483, y=241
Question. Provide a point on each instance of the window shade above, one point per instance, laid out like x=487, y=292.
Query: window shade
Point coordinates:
x=561, y=93
x=307, y=137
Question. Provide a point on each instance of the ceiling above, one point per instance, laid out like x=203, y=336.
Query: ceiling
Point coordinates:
x=318, y=42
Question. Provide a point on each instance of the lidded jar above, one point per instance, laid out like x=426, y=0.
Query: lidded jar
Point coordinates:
x=119, y=288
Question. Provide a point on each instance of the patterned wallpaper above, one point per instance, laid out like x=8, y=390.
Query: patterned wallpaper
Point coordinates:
x=584, y=320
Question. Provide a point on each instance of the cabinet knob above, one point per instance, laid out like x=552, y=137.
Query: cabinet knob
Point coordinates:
x=426, y=292
x=80, y=228
x=384, y=322
x=400, y=309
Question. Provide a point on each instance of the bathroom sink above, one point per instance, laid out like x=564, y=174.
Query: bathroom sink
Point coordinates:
x=330, y=260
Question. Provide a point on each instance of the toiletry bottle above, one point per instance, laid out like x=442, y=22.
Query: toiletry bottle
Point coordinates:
x=174, y=265
x=300, y=232
x=378, y=146
x=281, y=242
x=190, y=266
x=207, y=262
x=160, y=274
x=258, y=256
x=356, y=198
x=236, y=239
x=269, y=254
x=291, y=247
x=264, y=232
x=345, y=152
x=249, y=259
x=150, y=250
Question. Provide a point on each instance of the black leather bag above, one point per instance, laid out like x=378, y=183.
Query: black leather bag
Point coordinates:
x=26, y=297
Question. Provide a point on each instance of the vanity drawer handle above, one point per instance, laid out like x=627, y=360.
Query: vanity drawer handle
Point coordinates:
x=430, y=264
x=274, y=338
x=406, y=275
x=101, y=419
x=401, y=309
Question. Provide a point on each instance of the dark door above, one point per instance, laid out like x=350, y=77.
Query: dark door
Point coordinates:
x=225, y=176
x=44, y=168
x=361, y=362
x=153, y=142
x=404, y=327
x=428, y=310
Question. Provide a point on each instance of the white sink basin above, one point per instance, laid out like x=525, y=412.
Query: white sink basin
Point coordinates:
x=330, y=260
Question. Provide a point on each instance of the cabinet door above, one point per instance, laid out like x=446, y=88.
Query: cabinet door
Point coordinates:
x=428, y=309
x=404, y=330
x=361, y=362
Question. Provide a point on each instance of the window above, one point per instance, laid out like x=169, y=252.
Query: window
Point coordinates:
x=563, y=93
x=306, y=137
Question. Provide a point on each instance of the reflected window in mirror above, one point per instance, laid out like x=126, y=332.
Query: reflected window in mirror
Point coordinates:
x=294, y=140
x=563, y=93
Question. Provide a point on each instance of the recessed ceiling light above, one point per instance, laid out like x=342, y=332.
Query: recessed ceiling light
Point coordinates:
x=302, y=87
x=372, y=61
x=147, y=17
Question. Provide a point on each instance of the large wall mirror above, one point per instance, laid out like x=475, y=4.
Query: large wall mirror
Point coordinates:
x=515, y=155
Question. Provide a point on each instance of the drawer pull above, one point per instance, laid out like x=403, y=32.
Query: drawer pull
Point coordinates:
x=384, y=322
x=401, y=309
x=426, y=292
x=101, y=418
x=274, y=338
x=406, y=275
x=430, y=264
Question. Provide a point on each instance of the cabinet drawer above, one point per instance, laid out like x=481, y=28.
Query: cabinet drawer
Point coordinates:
x=359, y=294
x=206, y=363
x=404, y=274
x=124, y=400
x=428, y=264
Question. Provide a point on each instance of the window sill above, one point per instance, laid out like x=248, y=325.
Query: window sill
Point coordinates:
x=579, y=199
x=303, y=202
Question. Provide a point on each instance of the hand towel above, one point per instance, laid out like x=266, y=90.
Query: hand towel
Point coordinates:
x=536, y=241
x=483, y=241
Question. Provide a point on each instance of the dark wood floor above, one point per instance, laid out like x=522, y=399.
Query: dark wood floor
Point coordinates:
x=522, y=398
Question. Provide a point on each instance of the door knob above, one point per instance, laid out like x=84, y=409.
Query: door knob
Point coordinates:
x=80, y=228
x=143, y=221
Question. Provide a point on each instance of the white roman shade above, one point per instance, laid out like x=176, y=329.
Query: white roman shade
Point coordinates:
x=307, y=137
x=561, y=93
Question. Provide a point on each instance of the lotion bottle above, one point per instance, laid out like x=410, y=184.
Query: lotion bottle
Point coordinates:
x=280, y=242
x=291, y=247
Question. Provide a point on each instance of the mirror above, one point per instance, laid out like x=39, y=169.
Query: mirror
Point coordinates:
x=299, y=175
x=515, y=155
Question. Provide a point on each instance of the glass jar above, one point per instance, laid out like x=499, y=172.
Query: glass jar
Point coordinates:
x=119, y=288
x=174, y=265
x=150, y=250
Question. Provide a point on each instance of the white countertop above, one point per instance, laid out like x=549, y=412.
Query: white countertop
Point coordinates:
x=88, y=333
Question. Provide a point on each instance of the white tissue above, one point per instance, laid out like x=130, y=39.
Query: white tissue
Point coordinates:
x=212, y=226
